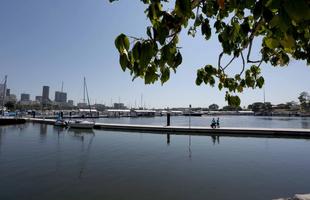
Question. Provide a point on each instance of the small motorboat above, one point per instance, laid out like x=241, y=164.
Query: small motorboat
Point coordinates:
x=60, y=122
x=83, y=124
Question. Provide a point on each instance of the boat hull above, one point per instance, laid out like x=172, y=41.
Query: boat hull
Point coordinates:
x=81, y=125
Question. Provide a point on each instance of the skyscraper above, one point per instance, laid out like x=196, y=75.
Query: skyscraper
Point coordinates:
x=60, y=97
x=45, y=94
x=24, y=97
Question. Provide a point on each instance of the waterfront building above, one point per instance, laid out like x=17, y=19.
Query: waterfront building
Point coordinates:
x=45, y=94
x=142, y=113
x=60, y=97
x=38, y=98
x=118, y=112
x=24, y=97
x=82, y=105
x=88, y=113
x=70, y=102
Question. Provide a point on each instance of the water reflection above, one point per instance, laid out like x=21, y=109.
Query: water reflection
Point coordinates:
x=215, y=139
x=305, y=123
x=168, y=139
x=43, y=131
x=81, y=135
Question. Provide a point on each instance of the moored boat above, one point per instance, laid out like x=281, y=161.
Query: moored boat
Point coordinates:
x=84, y=124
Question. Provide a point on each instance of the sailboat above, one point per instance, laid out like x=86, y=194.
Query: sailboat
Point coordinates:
x=83, y=124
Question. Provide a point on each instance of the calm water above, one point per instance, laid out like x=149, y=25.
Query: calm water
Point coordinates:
x=225, y=121
x=41, y=162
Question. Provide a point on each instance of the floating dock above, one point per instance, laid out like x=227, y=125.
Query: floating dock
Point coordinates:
x=195, y=130
x=11, y=121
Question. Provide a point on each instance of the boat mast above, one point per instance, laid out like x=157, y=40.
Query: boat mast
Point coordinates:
x=85, y=86
x=84, y=90
x=4, y=92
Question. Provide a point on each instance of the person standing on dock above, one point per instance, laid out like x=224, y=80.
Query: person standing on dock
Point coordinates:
x=213, y=123
x=218, y=122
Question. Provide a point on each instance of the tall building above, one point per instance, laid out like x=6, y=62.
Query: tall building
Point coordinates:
x=24, y=97
x=2, y=92
x=60, y=97
x=45, y=94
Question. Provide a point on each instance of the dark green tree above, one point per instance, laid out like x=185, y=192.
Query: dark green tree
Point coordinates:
x=10, y=105
x=213, y=107
x=304, y=99
x=282, y=27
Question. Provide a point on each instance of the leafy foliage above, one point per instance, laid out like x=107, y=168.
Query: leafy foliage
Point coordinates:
x=282, y=25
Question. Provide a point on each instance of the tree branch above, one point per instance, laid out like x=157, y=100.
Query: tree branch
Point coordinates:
x=243, y=64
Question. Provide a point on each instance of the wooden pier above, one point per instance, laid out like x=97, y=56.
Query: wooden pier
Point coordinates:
x=195, y=130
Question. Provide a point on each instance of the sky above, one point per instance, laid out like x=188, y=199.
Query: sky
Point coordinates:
x=45, y=42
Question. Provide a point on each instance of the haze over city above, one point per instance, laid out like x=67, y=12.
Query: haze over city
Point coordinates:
x=46, y=42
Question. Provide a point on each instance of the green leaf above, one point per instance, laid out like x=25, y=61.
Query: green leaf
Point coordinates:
x=136, y=50
x=272, y=43
x=165, y=75
x=146, y=54
x=122, y=43
x=260, y=82
x=298, y=10
x=183, y=8
x=123, y=60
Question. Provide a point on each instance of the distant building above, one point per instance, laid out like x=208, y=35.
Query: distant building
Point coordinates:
x=11, y=98
x=70, y=102
x=45, y=94
x=38, y=98
x=60, y=97
x=2, y=92
x=119, y=106
x=24, y=97
x=8, y=92
x=82, y=105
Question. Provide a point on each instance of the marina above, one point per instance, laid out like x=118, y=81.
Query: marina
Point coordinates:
x=197, y=130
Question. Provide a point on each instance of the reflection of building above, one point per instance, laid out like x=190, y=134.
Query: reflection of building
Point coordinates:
x=60, y=97
x=24, y=97
x=45, y=94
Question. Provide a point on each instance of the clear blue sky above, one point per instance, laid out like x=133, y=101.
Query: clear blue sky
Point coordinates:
x=45, y=42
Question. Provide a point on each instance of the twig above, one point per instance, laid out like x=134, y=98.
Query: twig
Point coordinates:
x=243, y=64
x=229, y=62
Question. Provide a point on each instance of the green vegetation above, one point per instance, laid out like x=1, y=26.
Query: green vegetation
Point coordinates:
x=304, y=99
x=282, y=27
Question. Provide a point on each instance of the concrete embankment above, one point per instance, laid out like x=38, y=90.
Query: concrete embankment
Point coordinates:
x=182, y=130
x=11, y=121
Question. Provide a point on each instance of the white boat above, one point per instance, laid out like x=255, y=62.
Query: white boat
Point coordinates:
x=81, y=124
x=60, y=122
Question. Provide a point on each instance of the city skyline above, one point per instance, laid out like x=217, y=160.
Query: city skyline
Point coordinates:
x=47, y=42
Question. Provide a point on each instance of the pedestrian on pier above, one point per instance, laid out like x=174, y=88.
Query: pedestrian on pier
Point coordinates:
x=218, y=122
x=213, y=123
